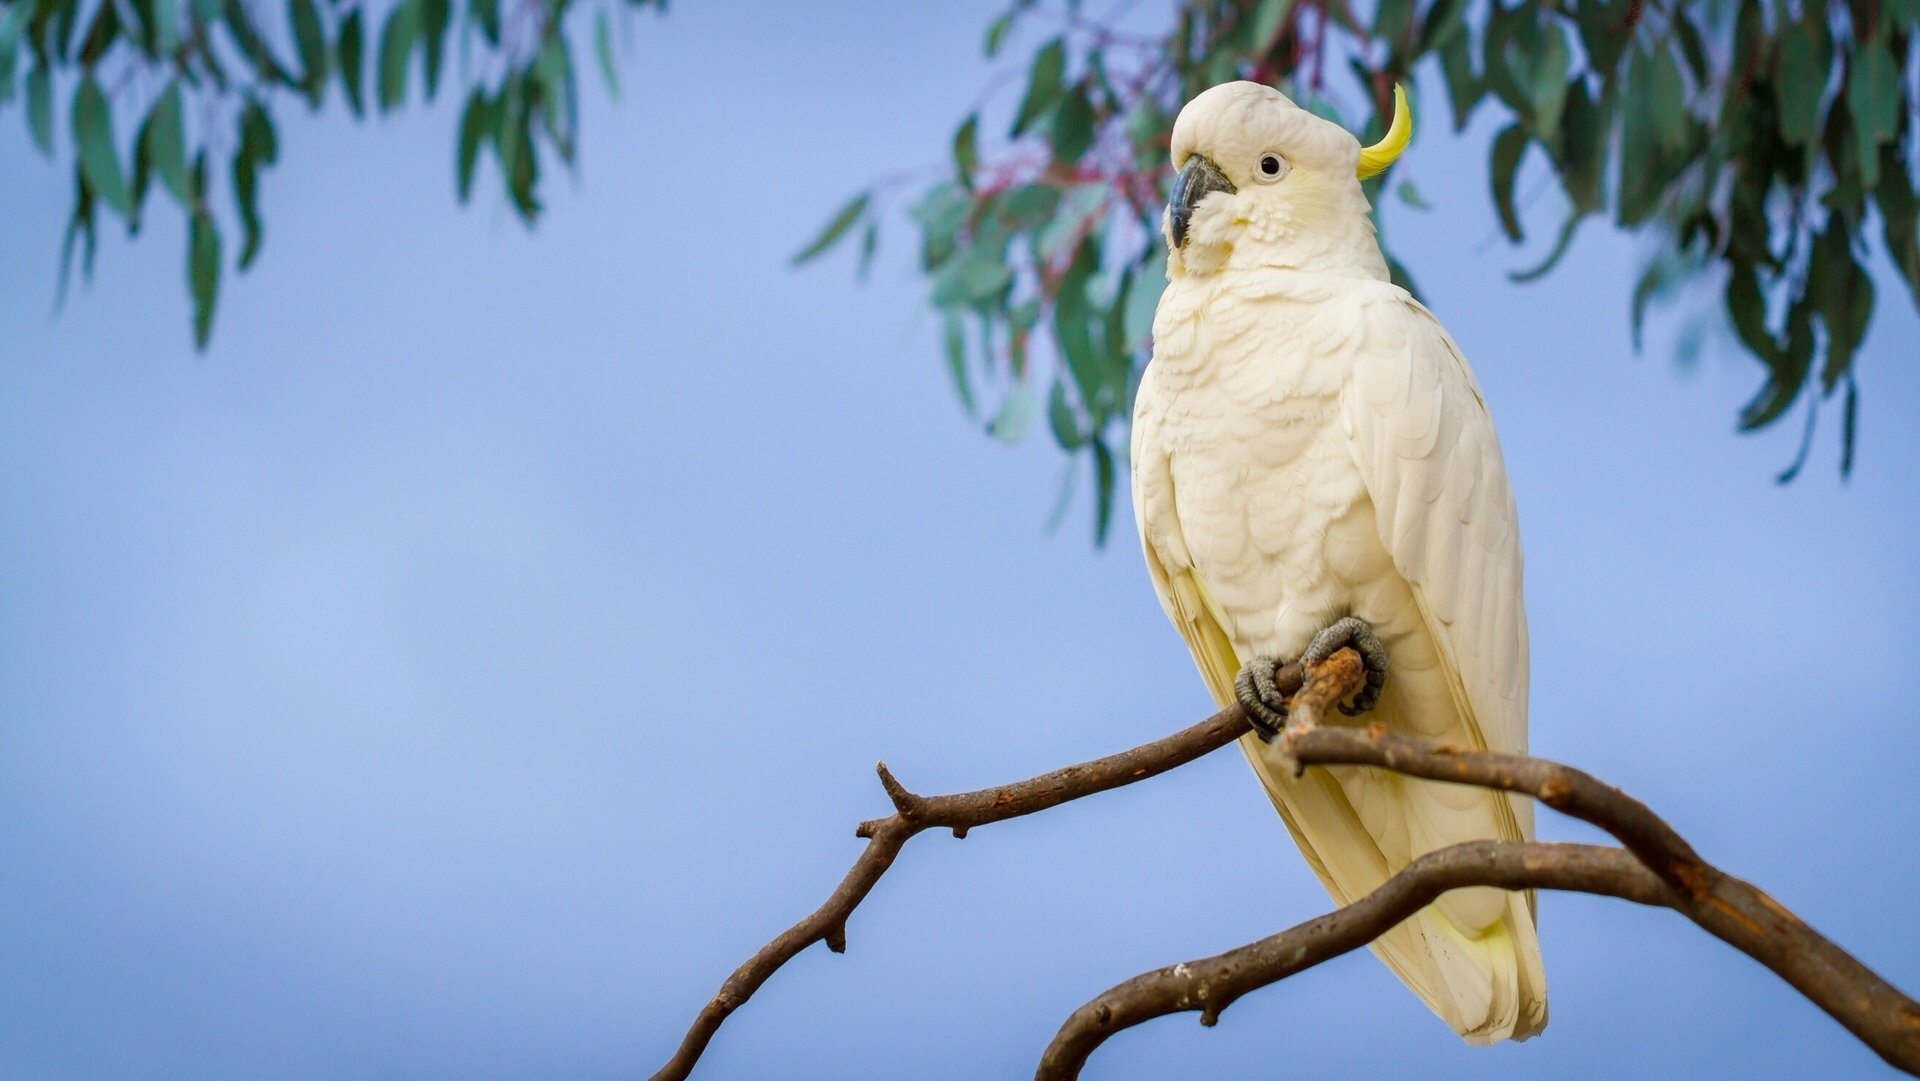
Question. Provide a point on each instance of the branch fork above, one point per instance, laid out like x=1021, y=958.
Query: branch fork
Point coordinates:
x=1653, y=866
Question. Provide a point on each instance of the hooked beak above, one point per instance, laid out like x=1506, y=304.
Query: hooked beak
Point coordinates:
x=1198, y=179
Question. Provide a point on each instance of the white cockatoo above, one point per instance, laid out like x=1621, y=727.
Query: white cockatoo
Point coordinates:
x=1309, y=446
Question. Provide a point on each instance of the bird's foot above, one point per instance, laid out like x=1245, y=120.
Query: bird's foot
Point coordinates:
x=1357, y=633
x=1260, y=697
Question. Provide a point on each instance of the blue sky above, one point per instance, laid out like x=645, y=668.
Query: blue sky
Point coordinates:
x=481, y=649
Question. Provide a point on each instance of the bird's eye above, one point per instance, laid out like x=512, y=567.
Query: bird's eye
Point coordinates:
x=1271, y=168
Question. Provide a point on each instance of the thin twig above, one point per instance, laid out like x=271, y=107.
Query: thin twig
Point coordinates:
x=1338, y=678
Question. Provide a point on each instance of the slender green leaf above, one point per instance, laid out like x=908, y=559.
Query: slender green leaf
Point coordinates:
x=311, y=42
x=603, y=50
x=954, y=338
x=352, y=49
x=836, y=228
x=1103, y=485
x=166, y=144
x=476, y=123
x=1508, y=148
x=1043, y=84
x=203, y=273
x=99, y=157
x=397, y=40
x=40, y=107
x=1016, y=415
x=1062, y=419
x=435, y=17
x=966, y=150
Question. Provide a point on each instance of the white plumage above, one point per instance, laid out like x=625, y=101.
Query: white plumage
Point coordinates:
x=1308, y=443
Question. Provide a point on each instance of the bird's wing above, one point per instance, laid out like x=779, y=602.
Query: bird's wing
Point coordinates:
x=1425, y=445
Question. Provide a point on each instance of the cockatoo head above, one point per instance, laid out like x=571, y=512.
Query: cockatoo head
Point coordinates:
x=1261, y=174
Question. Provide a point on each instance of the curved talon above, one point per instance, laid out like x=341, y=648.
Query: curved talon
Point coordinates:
x=1266, y=707
x=1357, y=633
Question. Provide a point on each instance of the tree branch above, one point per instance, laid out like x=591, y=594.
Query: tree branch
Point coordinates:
x=1341, y=676
x=1657, y=867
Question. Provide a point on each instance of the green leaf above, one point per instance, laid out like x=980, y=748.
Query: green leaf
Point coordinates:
x=1665, y=98
x=518, y=164
x=258, y=147
x=477, y=121
x=166, y=27
x=997, y=34
x=397, y=39
x=954, y=335
x=1410, y=195
x=555, y=70
x=973, y=280
x=1143, y=298
x=100, y=34
x=486, y=14
x=1103, y=484
x=79, y=227
x=435, y=17
x=1873, y=96
x=1802, y=66
x=603, y=50
x=1508, y=148
x=99, y=159
x=1071, y=130
x=166, y=144
x=40, y=107
x=1842, y=292
x=1464, y=88
x=1062, y=419
x=1900, y=213
x=1072, y=221
x=352, y=48
x=1585, y=131
x=203, y=274
x=311, y=41
x=10, y=21
x=836, y=228
x=1849, y=427
x=1603, y=31
x=247, y=39
x=1043, y=84
x=966, y=150
x=1547, y=89
x=1787, y=365
x=1011, y=424
x=1560, y=246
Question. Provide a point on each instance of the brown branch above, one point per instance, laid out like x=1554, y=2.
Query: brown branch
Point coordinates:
x=1340, y=677
x=1657, y=867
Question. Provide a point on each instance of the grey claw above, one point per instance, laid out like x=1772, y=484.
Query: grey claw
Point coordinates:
x=1265, y=706
x=1358, y=633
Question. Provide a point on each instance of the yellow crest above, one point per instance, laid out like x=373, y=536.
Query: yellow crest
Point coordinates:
x=1375, y=159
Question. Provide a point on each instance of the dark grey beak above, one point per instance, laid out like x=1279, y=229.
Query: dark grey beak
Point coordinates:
x=1198, y=179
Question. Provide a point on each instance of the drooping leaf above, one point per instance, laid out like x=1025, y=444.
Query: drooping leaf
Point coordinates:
x=352, y=49
x=435, y=18
x=836, y=228
x=311, y=41
x=203, y=273
x=603, y=51
x=166, y=144
x=1043, y=84
x=966, y=150
x=40, y=107
x=1508, y=148
x=99, y=157
x=1062, y=419
x=397, y=40
x=477, y=122
x=954, y=335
